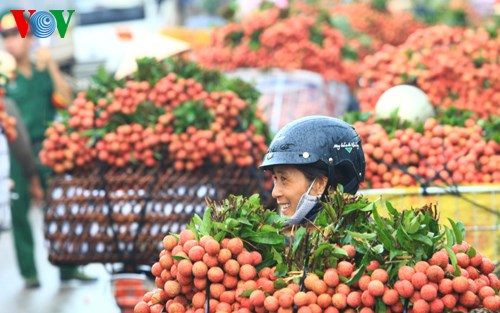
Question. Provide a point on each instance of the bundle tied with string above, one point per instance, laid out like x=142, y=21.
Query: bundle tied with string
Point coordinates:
x=136, y=158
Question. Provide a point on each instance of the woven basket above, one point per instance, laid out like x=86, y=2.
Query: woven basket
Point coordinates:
x=113, y=215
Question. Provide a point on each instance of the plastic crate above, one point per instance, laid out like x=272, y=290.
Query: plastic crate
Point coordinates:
x=129, y=289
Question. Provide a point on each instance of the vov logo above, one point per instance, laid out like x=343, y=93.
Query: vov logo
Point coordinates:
x=42, y=24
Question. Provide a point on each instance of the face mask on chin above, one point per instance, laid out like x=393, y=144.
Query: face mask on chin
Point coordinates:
x=305, y=205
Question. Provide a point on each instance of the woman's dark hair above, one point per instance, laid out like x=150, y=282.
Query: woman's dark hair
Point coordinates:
x=312, y=171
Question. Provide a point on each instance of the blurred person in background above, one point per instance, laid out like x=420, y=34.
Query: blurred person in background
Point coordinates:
x=20, y=148
x=38, y=89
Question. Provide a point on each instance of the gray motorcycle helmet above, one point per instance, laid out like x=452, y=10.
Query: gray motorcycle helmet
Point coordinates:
x=324, y=142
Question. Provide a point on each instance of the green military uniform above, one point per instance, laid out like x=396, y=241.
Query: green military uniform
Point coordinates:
x=33, y=97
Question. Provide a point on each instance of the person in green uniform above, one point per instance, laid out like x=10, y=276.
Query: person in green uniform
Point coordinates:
x=38, y=90
x=20, y=147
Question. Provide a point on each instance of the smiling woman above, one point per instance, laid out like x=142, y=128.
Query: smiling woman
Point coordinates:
x=289, y=184
x=309, y=156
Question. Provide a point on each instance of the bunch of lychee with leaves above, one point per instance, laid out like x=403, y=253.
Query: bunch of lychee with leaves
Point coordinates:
x=396, y=261
x=239, y=258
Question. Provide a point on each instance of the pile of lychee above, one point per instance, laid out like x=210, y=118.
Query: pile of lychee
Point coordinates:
x=7, y=123
x=195, y=275
x=138, y=124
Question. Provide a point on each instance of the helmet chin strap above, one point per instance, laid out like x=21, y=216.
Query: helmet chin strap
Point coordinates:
x=310, y=186
x=350, y=185
x=331, y=178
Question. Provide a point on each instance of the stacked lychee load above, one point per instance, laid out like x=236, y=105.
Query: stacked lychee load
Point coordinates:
x=286, y=39
x=454, y=66
x=169, y=111
x=207, y=275
x=439, y=154
x=383, y=27
x=433, y=286
x=189, y=270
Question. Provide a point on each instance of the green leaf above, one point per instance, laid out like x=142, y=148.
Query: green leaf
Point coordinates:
x=471, y=252
x=438, y=238
x=414, y=226
x=380, y=305
x=456, y=230
x=369, y=236
x=255, y=43
x=349, y=53
x=353, y=117
x=297, y=238
x=277, y=256
x=268, y=228
x=91, y=142
x=461, y=227
x=423, y=239
x=369, y=207
x=322, y=247
x=192, y=113
x=254, y=199
x=395, y=253
x=245, y=221
x=207, y=221
x=272, y=218
x=357, y=275
x=279, y=284
x=379, y=5
x=403, y=238
x=341, y=23
x=234, y=38
x=192, y=228
x=378, y=249
x=180, y=257
x=219, y=236
x=450, y=239
x=247, y=293
x=339, y=252
x=391, y=209
x=266, y=262
x=316, y=36
x=453, y=259
x=326, y=216
x=384, y=236
x=231, y=222
x=268, y=238
x=221, y=226
x=281, y=270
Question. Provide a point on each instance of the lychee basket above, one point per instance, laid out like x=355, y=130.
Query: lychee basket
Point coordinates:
x=105, y=214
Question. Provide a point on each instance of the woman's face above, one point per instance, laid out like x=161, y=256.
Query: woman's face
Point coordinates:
x=17, y=46
x=289, y=185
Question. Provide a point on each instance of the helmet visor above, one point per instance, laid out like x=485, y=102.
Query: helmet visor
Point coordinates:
x=288, y=158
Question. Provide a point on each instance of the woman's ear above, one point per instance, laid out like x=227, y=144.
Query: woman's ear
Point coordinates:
x=320, y=185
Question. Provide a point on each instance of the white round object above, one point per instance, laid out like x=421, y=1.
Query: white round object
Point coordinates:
x=411, y=103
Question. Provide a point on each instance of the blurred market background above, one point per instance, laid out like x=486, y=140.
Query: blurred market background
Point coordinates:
x=333, y=58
